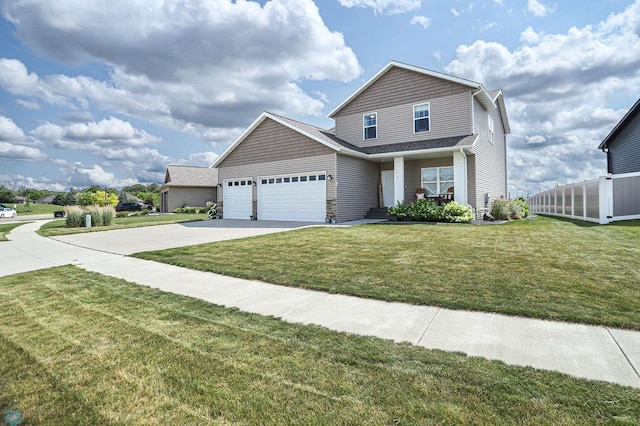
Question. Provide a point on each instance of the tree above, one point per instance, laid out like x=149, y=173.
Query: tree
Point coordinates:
x=6, y=195
x=85, y=198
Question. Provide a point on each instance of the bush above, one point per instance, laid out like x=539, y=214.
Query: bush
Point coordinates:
x=522, y=202
x=424, y=210
x=74, y=217
x=456, y=213
x=503, y=209
x=400, y=211
x=213, y=210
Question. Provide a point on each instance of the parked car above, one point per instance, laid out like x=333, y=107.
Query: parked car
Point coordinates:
x=7, y=211
x=132, y=207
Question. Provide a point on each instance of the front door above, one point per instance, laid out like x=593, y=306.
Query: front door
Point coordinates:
x=386, y=177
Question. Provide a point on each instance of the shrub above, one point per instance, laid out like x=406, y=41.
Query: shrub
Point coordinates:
x=177, y=210
x=108, y=213
x=522, y=202
x=74, y=217
x=96, y=215
x=401, y=211
x=424, y=210
x=213, y=210
x=456, y=213
x=500, y=209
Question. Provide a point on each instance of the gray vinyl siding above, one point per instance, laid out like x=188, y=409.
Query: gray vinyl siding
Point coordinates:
x=449, y=116
x=178, y=196
x=490, y=158
x=400, y=86
x=271, y=141
x=357, y=182
x=624, y=150
x=471, y=181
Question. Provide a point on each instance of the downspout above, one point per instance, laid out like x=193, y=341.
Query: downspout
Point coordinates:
x=466, y=181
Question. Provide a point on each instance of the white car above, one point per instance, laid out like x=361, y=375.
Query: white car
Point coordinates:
x=7, y=211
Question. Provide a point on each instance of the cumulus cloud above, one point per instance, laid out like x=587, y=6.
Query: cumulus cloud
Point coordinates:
x=537, y=8
x=10, y=132
x=421, y=20
x=93, y=136
x=384, y=6
x=556, y=88
x=214, y=63
x=34, y=106
x=15, y=145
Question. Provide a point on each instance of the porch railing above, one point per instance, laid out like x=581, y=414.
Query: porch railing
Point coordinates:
x=606, y=199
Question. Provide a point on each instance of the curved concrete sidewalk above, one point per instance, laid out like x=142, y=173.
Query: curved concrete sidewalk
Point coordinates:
x=591, y=352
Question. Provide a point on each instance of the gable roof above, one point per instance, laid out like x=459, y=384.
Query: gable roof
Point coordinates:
x=480, y=92
x=317, y=134
x=635, y=109
x=190, y=176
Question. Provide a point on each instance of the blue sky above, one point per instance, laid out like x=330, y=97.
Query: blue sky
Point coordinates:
x=109, y=95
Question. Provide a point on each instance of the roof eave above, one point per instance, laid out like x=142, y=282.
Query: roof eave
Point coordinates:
x=451, y=149
x=605, y=142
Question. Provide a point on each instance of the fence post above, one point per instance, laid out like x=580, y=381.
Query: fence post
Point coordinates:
x=573, y=201
x=584, y=200
x=606, y=199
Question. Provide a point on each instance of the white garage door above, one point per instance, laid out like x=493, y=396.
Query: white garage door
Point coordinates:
x=236, y=199
x=300, y=197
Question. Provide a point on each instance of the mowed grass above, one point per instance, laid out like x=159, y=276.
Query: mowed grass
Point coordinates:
x=57, y=227
x=5, y=228
x=35, y=208
x=81, y=348
x=540, y=268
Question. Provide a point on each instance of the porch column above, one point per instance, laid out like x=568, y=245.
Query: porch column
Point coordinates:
x=460, y=177
x=398, y=179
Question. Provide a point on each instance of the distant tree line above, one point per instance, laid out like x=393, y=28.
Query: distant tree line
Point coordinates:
x=149, y=194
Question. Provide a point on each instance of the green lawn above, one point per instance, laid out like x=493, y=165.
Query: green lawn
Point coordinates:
x=35, y=208
x=81, y=348
x=5, y=228
x=541, y=268
x=56, y=227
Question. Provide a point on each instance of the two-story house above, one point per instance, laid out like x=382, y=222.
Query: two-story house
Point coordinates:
x=405, y=128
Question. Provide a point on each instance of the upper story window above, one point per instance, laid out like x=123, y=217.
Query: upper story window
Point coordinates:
x=370, y=125
x=421, y=118
x=491, y=131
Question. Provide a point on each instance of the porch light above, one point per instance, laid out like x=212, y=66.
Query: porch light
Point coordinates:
x=329, y=177
x=219, y=185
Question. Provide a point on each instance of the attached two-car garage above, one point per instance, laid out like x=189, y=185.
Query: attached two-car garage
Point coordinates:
x=295, y=197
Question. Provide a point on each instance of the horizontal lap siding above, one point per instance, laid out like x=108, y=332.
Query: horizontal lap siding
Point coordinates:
x=449, y=116
x=490, y=159
x=357, y=185
x=271, y=141
x=399, y=86
x=192, y=197
x=624, y=150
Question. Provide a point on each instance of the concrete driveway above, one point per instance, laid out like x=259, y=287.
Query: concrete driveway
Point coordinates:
x=135, y=240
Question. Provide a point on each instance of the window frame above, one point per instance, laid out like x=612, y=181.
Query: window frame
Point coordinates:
x=365, y=127
x=428, y=117
x=491, y=129
x=438, y=180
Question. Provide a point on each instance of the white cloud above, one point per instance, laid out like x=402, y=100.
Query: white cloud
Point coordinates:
x=210, y=63
x=94, y=175
x=557, y=88
x=421, y=20
x=92, y=136
x=500, y=2
x=10, y=132
x=34, y=106
x=455, y=12
x=529, y=36
x=18, y=181
x=20, y=152
x=384, y=6
x=537, y=8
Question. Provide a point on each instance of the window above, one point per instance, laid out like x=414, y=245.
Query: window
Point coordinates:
x=312, y=178
x=370, y=125
x=491, y=131
x=321, y=177
x=287, y=180
x=278, y=180
x=437, y=180
x=294, y=179
x=303, y=178
x=421, y=118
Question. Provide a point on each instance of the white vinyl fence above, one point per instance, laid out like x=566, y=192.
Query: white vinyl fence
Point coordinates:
x=606, y=199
